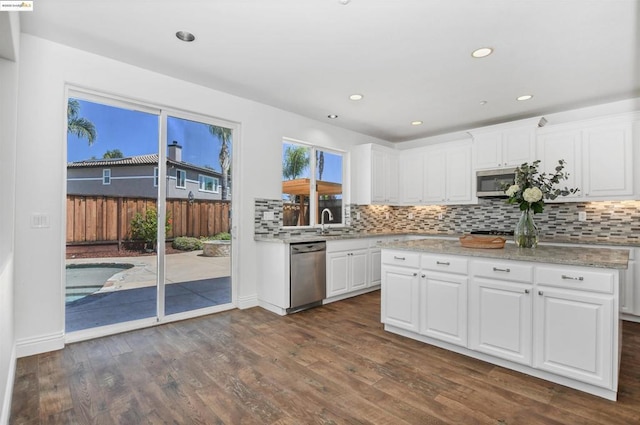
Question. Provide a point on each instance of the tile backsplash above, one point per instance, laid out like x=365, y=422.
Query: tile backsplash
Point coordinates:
x=617, y=222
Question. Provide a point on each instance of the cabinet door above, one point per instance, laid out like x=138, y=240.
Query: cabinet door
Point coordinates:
x=375, y=263
x=517, y=146
x=488, y=150
x=627, y=289
x=458, y=174
x=608, y=161
x=574, y=335
x=434, y=176
x=565, y=145
x=358, y=269
x=392, y=179
x=443, y=307
x=400, y=301
x=378, y=177
x=337, y=273
x=500, y=319
x=412, y=178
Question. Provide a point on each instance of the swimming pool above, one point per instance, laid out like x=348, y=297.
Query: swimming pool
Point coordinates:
x=86, y=279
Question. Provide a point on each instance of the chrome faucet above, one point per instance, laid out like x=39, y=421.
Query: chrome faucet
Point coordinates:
x=328, y=211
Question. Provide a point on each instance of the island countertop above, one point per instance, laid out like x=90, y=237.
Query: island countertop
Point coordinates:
x=575, y=256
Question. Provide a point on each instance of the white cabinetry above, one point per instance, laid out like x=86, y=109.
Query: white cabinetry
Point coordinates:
x=440, y=174
x=630, y=287
x=347, y=266
x=599, y=157
x=400, y=288
x=575, y=331
x=375, y=175
x=443, y=298
x=505, y=145
x=500, y=310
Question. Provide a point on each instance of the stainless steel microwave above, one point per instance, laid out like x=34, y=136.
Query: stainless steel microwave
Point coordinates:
x=489, y=183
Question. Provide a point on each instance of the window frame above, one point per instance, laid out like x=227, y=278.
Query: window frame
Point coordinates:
x=314, y=220
x=184, y=180
x=216, y=184
x=106, y=176
x=156, y=176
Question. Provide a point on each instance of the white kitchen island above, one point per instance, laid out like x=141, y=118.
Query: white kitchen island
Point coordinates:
x=550, y=312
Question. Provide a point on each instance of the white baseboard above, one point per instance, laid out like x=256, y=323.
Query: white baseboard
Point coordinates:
x=40, y=344
x=248, y=302
x=5, y=413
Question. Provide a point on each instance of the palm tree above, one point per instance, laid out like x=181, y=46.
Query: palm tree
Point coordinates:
x=320, y=161
x=295, y=161
x=224, y=135
x=115, y=153
x=79, y=126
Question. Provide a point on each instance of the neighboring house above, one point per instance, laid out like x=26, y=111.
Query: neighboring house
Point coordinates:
x=137, y=176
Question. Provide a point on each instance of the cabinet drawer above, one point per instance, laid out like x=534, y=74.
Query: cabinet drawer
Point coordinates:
x=576, y=278
x=401, y=258
x=503, y=271
x=347, y=245
x=444, y=263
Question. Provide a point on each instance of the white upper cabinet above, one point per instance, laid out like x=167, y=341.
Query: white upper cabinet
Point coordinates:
x=439, y=174
x=599, y=157
x=375, y=175
x=506, y=145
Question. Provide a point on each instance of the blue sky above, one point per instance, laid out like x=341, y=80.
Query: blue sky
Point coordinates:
x=136, y=133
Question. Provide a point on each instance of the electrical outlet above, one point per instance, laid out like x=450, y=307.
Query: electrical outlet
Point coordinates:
x=582, y=216
x=268, y=215
x=358, y=215
x=440, y=216
x=410, y=216
x=386, y=216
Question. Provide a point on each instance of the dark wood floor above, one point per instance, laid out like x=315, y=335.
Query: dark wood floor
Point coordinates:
x=329, y=365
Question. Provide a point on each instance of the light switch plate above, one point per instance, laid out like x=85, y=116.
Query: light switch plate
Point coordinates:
x=582, y=216
x=410, y=216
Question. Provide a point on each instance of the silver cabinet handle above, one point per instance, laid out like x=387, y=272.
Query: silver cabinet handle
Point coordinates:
x=495, y=269
x=540, y=293
x=424, y=275
x=443, y=263
x=526, y=291
x=399, y=258
x=572, y=278
x=415, y=274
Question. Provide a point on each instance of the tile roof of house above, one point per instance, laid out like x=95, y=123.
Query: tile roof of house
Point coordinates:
x=149, y=159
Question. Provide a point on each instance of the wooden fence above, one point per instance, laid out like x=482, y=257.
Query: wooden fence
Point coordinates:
x=95, y=219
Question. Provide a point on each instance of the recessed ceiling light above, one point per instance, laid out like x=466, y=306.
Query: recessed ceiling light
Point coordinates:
x=482, y=52
x=332, y=116
x=356, y=97
x=416, y=122
x=483, y=102
x=344, y=2
x=185, y=36
x=524, y=97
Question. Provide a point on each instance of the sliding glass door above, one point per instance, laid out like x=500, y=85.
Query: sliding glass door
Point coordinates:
x=148, y=215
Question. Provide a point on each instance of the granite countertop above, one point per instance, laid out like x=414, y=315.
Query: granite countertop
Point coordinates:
x=576, y=256
x=336, y=235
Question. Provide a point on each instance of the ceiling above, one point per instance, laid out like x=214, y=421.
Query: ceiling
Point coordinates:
x=410, y=59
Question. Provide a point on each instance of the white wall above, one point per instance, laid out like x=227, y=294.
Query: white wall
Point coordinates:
x=45, y=67
x=8, y=122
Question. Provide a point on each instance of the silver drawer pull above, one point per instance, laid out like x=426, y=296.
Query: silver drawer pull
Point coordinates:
x=399, y=258
x=526, y=291
x=495, y=269
x=572, y=278
x=415, y=274
x=540, y=293
x=443, y=263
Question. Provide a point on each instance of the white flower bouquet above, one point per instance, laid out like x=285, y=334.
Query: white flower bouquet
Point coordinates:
x=530, y=187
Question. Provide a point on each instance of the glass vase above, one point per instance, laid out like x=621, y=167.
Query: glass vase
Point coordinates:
x=526, y=232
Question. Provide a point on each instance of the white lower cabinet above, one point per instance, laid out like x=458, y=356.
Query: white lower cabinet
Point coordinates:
x=347, y=271
x=443, y=299
x=556, y=322
x=574, y=334
x=400, y=302
x=501, y=319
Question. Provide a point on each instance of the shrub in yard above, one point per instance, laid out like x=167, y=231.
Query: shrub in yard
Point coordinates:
x=224, y=236
x=143, y=227
x=186, y=243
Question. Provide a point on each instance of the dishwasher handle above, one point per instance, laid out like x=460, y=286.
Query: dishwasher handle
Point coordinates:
x=303, y=248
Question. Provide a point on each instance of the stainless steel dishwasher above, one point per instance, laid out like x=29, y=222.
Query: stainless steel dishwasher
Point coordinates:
x=308, y=285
